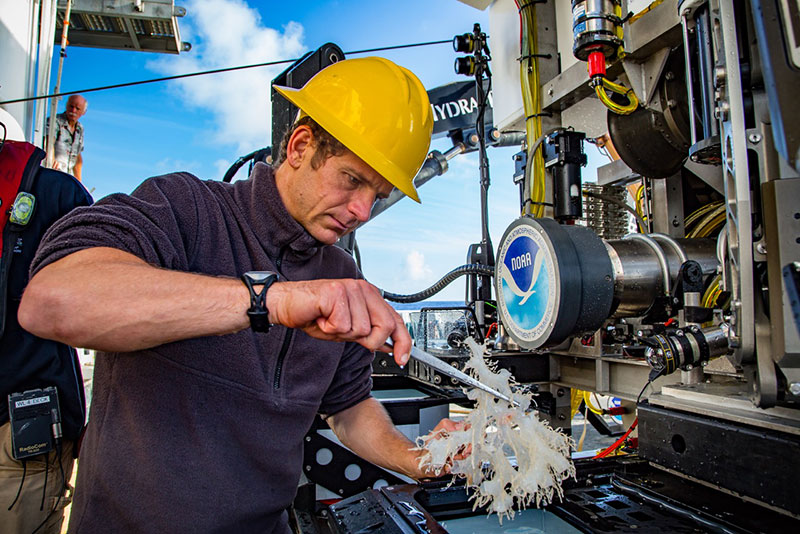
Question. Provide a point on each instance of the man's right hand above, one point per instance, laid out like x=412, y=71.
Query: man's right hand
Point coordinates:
x=340, y=310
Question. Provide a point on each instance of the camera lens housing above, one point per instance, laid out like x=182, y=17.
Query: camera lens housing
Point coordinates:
x=464, y=43
x=465, y=65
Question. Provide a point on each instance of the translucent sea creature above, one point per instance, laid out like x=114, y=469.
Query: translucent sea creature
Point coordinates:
x=494, y=430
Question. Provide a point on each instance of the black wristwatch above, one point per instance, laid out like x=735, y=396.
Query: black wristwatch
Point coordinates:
x=258, y=313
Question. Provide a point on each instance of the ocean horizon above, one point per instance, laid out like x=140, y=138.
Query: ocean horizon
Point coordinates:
x=405, y=306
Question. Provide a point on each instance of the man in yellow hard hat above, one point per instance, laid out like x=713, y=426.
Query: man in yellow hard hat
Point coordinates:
x=226, y=321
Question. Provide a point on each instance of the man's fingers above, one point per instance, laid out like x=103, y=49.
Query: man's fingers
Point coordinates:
x=341, y=310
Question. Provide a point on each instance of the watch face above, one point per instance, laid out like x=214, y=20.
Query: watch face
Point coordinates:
x=260, y=277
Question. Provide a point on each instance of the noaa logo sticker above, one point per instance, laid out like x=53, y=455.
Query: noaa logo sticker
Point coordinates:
x=527, y=295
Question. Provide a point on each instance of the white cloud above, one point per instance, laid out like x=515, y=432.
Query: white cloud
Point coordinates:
x=416, y=267
x=167, y=165
x=226, y=33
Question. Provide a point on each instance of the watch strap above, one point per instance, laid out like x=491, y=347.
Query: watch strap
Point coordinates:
x=258, y=312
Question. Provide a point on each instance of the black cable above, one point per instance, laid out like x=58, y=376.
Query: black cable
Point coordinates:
x=46, y=471
x=21, y=482
x=5, y=133
x=357, y=254
x=213, y=71
x=60, y=493
x=473, y=268
x=642, y=392
x=233, y=169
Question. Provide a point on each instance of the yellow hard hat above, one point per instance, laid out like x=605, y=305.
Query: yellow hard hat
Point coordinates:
x=377, y=109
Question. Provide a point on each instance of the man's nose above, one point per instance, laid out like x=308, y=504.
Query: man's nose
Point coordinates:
x=361, y=205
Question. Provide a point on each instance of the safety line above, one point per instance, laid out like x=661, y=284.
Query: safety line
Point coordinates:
x=214, y=71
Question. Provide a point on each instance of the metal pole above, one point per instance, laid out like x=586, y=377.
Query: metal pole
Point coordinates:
x=51, y=131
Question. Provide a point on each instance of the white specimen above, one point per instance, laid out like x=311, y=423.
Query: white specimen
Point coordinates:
x=496, y=429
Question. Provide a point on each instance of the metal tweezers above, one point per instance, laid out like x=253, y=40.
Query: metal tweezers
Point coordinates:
x=447, y=369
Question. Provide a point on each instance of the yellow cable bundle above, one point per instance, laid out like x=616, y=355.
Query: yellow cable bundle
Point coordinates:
x=698, y=213
x=638, y=205
x=708, y=296
x=600, y=91
x=712, y=220
x=532, y=105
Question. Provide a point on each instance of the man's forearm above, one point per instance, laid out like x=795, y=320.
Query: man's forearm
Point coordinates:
x=109, y=300
x=368, y=431
x=106, y=299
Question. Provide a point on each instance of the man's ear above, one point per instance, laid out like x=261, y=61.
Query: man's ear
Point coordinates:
x=300, y=146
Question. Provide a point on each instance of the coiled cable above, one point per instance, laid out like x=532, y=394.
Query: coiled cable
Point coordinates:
x=472, y=268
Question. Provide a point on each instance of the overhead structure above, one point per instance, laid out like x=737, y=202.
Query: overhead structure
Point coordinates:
x=143, y=25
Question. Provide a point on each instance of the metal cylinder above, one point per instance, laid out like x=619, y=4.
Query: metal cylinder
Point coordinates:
x=686, y=348
x=555, y=281
x=638, y=270
x=594, y=28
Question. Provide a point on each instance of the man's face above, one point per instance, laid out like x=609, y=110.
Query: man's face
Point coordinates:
x=332, y=200
x=76, y=107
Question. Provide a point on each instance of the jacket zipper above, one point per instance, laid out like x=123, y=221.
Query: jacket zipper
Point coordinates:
x=287, y=338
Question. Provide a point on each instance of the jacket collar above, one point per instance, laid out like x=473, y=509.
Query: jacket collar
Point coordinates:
x=277, y=231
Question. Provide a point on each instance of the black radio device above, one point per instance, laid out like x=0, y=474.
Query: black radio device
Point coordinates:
x=35, y=422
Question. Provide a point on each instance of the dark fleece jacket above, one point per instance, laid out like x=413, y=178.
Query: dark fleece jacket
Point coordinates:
x=206, y=434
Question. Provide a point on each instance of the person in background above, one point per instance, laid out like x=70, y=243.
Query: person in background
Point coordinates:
x=33, y=489
x=68, y=146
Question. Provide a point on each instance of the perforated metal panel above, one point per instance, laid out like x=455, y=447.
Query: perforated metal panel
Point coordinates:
x=144, y=25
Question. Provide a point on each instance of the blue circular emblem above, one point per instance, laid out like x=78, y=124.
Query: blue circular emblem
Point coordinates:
x=526, y=285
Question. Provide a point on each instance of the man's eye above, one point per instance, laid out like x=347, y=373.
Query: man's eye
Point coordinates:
x=353, y=180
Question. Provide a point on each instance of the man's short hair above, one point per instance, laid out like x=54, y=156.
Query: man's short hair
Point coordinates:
x=325, y=145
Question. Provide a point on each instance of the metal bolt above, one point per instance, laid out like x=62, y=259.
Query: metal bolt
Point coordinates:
x=670, y=76
x=694, y=157
x=754, y=138
x=721, y=111
x=672, y=103
x=550, y=91
x=561, y=417
x=761, y=248
x=794, y=388
x=560, y=392
x=719, y=76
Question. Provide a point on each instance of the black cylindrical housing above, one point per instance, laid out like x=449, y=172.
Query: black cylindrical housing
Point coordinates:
x=567, y=192
x=564, y=156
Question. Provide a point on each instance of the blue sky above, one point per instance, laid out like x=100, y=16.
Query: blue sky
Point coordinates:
x=203, y=124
